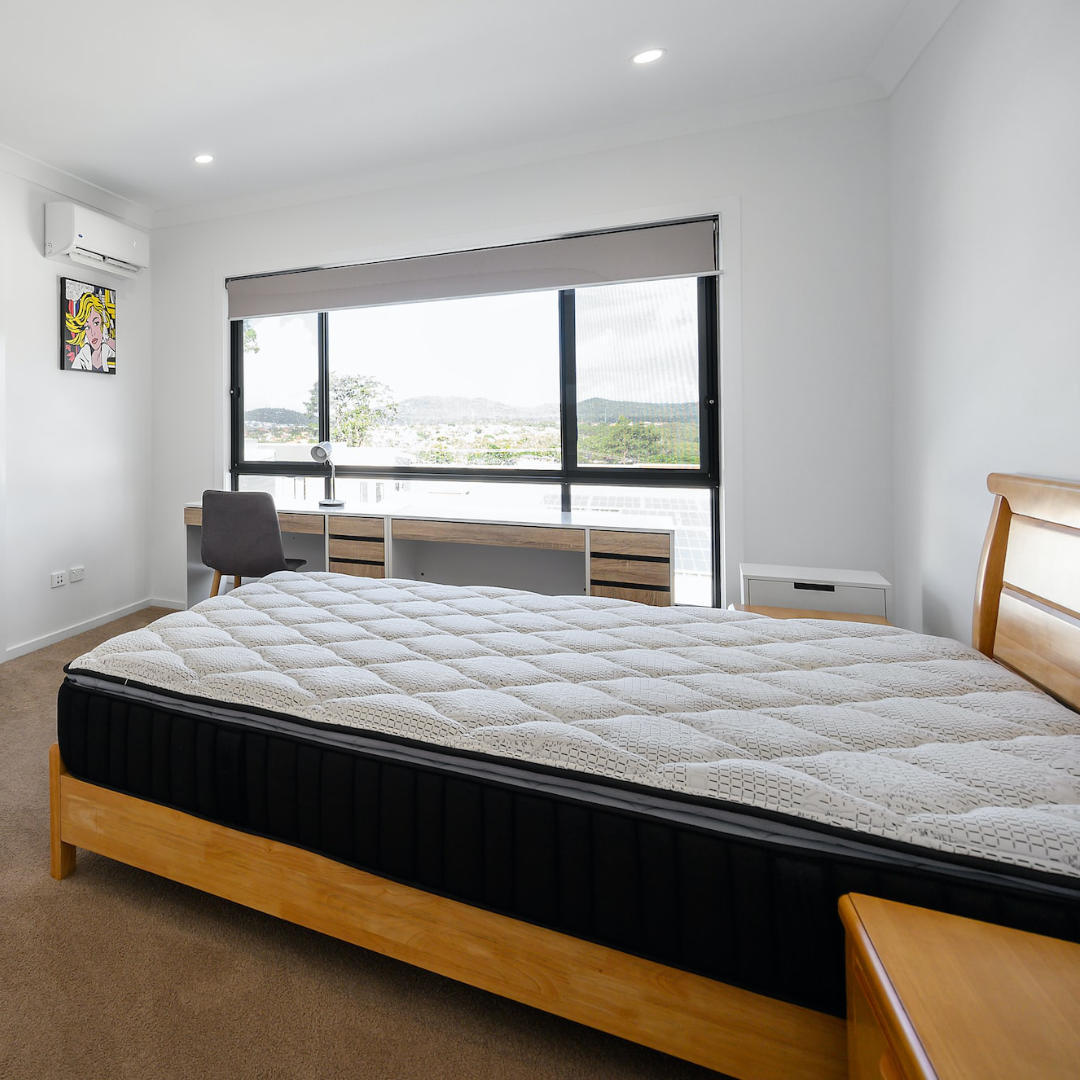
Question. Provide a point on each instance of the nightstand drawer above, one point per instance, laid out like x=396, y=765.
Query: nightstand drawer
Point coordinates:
x=814, y=588
x=816, y=596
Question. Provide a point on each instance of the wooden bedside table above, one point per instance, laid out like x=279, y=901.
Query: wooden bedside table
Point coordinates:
x=804, y=613
x=936, y=997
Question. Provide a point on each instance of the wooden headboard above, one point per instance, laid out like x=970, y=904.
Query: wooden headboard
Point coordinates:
x=1027, y=598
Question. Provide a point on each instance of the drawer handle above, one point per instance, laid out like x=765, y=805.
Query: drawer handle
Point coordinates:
x=811, y=586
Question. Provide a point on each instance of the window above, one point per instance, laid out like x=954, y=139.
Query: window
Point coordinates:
x=465, y=383
x=281, y=375
x=285, y=489
x=638, y=400
x=598, y=399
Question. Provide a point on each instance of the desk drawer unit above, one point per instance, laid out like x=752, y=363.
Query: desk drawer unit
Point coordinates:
x=355, y=545
x=630, y=566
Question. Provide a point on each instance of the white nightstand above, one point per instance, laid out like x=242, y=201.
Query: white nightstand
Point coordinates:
x=814, y=592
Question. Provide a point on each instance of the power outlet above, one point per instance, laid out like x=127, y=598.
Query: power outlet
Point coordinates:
x=57, y=578
x=77, y=573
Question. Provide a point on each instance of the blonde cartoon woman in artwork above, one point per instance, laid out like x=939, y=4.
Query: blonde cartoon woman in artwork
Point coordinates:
x=90, y=329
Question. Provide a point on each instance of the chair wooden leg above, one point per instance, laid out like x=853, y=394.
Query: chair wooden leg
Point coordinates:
x=217, y=583
x=236, y=582
x=61, y=855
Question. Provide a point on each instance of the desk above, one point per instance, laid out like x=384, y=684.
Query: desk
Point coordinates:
x=559, y=554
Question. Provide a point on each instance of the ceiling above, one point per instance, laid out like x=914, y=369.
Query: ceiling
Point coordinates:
x=288, y=95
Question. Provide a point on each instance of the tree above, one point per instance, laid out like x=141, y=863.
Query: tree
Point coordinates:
x=251, y=341
x=623, y=443
x=358, y=403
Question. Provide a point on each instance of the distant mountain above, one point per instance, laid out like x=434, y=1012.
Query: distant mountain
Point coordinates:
x=276, y=416
x=462, y=410
x=597, y=410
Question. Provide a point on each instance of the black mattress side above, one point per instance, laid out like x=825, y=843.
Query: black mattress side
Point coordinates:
x=734, y=896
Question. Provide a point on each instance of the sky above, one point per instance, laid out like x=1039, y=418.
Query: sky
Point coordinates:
x=636, y=342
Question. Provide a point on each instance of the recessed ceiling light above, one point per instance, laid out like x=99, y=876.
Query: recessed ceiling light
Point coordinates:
x=203, y=159
x=649, y=56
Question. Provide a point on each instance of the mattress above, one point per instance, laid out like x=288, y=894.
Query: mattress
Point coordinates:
x=690, y=784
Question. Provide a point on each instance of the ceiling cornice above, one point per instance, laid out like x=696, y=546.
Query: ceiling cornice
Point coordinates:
x=69, y=186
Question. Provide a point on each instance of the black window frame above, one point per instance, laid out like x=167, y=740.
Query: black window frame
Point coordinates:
x=705, y=476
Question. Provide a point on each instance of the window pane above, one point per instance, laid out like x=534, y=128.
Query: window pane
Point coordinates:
x=686, y=510
x=280, y=372
x=637, y=374
x=488, y=501
x=437, y=498
x=287, y=490
x=467, y=383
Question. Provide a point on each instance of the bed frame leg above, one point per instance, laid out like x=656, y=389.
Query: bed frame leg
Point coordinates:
x=61, y=855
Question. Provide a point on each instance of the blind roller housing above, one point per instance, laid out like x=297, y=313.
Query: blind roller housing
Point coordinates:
x=683, y=249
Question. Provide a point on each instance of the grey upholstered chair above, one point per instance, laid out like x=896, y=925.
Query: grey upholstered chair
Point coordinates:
x=241, y=536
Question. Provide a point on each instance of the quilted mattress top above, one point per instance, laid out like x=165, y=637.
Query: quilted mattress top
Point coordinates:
x=871, y=728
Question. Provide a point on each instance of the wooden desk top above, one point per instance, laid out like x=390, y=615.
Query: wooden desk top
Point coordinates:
x=968, y=999
x=479, y=514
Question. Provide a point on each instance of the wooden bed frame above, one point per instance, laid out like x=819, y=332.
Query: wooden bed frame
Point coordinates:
x=1027, y=616
x=1027, y=598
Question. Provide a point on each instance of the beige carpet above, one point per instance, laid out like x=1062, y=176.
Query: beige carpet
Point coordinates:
x=115, y=973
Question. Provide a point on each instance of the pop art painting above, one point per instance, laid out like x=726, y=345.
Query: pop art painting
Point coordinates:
x=87, y=327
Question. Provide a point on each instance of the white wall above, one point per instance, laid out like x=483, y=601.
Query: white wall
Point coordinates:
x=806, y=330
x=986, y=271
x=74, y=448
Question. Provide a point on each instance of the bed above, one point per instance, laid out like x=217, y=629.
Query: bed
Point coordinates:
x=637, y=818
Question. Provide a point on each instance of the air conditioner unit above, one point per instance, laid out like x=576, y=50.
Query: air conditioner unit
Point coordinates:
x=74, y=233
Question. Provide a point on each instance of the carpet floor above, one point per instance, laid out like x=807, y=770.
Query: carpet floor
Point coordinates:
x=117, y=974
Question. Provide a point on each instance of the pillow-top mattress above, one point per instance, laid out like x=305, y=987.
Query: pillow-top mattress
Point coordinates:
x=864, y=727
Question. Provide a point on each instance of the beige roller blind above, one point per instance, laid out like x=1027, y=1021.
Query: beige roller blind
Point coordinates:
x=680, y=249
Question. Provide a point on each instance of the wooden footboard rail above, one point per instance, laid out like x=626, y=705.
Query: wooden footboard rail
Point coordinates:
x=713, y=1024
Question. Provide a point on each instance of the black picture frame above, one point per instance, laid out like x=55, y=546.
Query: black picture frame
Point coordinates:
x=87, y=327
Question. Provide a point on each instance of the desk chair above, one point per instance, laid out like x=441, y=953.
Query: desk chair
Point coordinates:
x=241, y=536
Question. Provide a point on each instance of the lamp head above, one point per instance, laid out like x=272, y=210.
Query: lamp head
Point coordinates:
x=322, y=451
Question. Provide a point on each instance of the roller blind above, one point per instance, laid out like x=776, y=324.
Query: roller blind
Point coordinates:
x=679, y=249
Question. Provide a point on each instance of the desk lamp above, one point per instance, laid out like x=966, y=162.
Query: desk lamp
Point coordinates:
x=321, y=452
